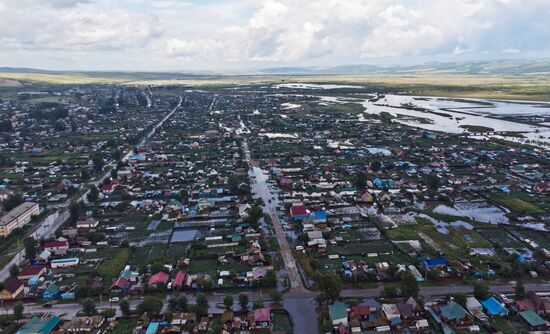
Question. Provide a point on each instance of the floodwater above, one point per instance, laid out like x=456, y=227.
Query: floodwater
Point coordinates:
x=446, y=115
x=314, y=86
x=479, y=211
x=303, y=314
x=183, y=235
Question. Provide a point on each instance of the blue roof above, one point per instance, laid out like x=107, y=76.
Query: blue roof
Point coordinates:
x=493, y=306
x=319, y=215
x=435, y=262
x=153, y=327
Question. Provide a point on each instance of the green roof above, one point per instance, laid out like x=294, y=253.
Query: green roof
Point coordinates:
x=39, y=326
x=532, y=318
x=337, y=310
x=453, y=311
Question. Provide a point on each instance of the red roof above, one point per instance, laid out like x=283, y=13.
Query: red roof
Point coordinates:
x=121, y=283
x=342, y=329
x=12, y=285
x=31, y=270
x=56, y=244
x=262, y=315
x=298, y=210
x=180, y=278
x=360, y=311
x=160, y=277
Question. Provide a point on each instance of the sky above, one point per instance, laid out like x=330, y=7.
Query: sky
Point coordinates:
x=168, y=35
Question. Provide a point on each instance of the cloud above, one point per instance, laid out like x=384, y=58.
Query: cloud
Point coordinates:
x=169, y=33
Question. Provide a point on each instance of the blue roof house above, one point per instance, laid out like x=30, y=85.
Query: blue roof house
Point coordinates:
x=494, y=307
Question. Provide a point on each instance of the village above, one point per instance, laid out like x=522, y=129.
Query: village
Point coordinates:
x=238, y=209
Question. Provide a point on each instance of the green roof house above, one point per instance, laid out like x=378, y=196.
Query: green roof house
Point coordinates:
x=338, y=314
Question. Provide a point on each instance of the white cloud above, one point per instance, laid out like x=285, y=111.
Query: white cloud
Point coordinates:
x=175, y=33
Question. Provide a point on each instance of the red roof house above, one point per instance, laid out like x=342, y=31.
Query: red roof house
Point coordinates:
x=179, y=280
x=159, y=278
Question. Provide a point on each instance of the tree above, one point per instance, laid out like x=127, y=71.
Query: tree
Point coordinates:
x=125, y=307
x=330, y=284
x=375, y=165
x=75, y=209
x=12, y=201
x=270, y=279
x=228, y=302
x=14, y=271
x=150, y=305
x=409, y=285
x=432, y=182
x=276, y=296
x=97, y=160
x=88, y=307
x=202, y=304
x=18, y=309
x=93, y=195
x=481, y=290
x=361, y=180
x=31, y=247
x=178, y=303
x=243, y=300
x=460, y=298
x=84, y=174
x=519, y=290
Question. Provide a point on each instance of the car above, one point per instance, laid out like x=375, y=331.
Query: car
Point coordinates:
x=47, y=305
x=114, y=300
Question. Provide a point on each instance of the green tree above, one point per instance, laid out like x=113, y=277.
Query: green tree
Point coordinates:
x=178, y=303
x=243, y=300
x=360, y=180
x=75, y=209
x=150, y=305
x=409, y=285
x=31, y=247
x=276, y=296
x=125, y=307
x=88, y=307
x=12, y=201
x=97, y=160
x=202, y=304
x=519, y=290
x=330, y=284
x=375, y=165
x=14, y=270
x=481, y=290
x=460, y=298
x=18, y=309
x=228, y=301
x=93, y=195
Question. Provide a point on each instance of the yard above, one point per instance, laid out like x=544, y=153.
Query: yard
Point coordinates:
x=517, y=201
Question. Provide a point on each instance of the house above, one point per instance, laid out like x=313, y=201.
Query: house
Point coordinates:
x=177, y=283
x=338, y=313
x=360, y=312
x=51, y=292
x=120, y=286
x=494, y=307
x=83, y=324
x=476, y=309
x=31, y=271
x=455, y=314
x=534, y=303
x=87, y=223
x=533, y=320
x=159, y=278
x=262, y=317
x=39, y=325
x=57, y=247
x=63, y=263
x=437, y=263
x=13, y=289
x=391, y=312
x=43, y=257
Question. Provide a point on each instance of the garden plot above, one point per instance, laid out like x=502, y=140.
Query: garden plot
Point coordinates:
x=500, y=236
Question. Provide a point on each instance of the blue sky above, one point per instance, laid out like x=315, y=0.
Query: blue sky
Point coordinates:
x=162, y=35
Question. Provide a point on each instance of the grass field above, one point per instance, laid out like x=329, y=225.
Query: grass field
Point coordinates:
x=518, y=202
x=472, y=86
